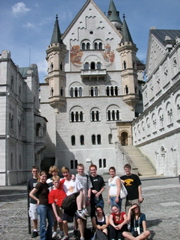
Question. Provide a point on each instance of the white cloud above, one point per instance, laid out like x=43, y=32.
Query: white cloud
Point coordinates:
x=20, y=8
x=28, y=25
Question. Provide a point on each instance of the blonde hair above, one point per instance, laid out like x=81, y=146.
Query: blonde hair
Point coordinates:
x=64, y=169
x=55, y=178
x=53, y=169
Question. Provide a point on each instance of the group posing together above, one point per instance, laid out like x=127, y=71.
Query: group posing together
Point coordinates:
x=76, y=197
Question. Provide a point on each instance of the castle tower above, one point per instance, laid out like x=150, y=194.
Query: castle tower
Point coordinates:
x=127, y=50
x=56, y=76
x=113, y=16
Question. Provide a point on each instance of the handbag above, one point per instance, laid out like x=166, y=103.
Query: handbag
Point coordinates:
x=123, y=192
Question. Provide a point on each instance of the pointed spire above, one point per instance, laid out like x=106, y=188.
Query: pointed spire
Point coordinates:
x=56, y=36
x=125, y=32
x=113, y=14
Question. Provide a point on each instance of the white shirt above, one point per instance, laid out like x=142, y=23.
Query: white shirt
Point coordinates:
x=113, y=186
x=72, y=186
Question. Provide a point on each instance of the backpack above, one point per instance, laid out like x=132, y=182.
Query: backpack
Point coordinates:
x=69, y=203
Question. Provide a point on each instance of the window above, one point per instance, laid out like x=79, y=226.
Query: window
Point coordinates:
x=82, y=140
x=92, y=65
x=98, y=65
x=113, y=115
x=110, y=138
x=73, y=164
x=102, y=163
x=94, y=91
x=73, y=140
x=75, y=92
x=38, y=127
x=96, y=139
x=112, y=91
x=86, y=66
x=76, y=115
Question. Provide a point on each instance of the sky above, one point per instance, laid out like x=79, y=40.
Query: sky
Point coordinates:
x=26, y=26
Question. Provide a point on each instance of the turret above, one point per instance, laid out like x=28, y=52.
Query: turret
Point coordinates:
x=56, y=76
x=113, y=16
x=127, y=50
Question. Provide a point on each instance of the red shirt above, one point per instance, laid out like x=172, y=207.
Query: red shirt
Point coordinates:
x=119, y=218
x=57, y=195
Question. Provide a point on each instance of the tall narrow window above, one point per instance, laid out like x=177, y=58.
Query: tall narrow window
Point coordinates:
x=73, y=140
x=71, y=91
x=104, y=163
x=88, y=46
x=110, y=138
x=98, y=139
x=82, y=140
x=98, y=65
x=92, y=65
x=100, y=163
x=93, y=139
x=100, y=46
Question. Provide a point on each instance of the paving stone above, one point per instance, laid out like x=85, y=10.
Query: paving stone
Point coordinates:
x=161, y=206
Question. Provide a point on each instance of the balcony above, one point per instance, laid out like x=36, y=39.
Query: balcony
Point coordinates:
x=93, y=72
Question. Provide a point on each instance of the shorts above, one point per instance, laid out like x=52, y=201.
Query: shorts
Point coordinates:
x=33, y=211
x=67, y=217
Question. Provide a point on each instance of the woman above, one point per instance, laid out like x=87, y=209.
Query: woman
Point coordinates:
x=138, y=224
x=114, y=189
x=118, y=224
x=100, y=221
x=40, y=194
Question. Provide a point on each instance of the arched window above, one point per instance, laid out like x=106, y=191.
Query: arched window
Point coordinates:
x=112, y=91
x=77, y=116
x=80, y=91
x=76, y=92
x=73, y=140
x=86, y=66
x=98, y=139
x=93, y=138
x=71, y=91
x=110, y=138
x=88, y=46
x=116, y=91
x=51, y=92
x=100, y=46
x=83, y=46
x=92, y=65
x=98, y=65
x=104, y=163
x=82, y=140
x=61, y=92
x=96, y=91
x=72, y=116
x=126, y=89
x=81, y=116
x=95, y=46
x=124, y=65
x=100, y=163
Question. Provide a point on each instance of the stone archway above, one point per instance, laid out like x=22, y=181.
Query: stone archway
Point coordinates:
x=124, y=139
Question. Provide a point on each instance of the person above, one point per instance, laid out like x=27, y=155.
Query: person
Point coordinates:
x=32, y=206
x=118, y=224
x=53, y=170
x=138, y=224
x=100, y=221
x=73, y=186
x=40, y=195
x=87, y=185
x=98, y=186
x=114, y=189
x=133, y=185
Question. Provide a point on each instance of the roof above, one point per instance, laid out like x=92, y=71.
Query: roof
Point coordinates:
x=125, y=32
x=56, y=36
x=160, y=34
x=23, y=70
x=113, y=14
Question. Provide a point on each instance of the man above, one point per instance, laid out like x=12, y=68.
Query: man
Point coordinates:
x=72, y=186
x=133, y=186
x=87, y=185
x=33, y=207
x=98, y=186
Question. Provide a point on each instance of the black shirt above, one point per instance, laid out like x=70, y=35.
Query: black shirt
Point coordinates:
x=31, y=184
x=97, y=183
x=132, y=182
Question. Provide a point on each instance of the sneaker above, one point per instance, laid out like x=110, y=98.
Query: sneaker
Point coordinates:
x=81, y=214
x=82, y=238
x=85, y=211
x=54, y=234
x=34, y=234
x=65, y=238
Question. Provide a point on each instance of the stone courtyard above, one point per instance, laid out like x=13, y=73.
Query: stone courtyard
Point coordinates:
x=161, y=205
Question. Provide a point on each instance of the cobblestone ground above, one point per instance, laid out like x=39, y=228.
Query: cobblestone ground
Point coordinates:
x=161, y=205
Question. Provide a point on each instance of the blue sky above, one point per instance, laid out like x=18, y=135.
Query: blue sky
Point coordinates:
x=26, y=26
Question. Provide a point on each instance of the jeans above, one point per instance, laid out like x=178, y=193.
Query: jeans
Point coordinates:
x=113, y=203
x=94, y=203
x=45, y=211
